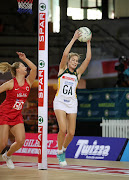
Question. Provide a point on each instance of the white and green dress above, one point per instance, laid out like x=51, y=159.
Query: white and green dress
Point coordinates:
x=66, y=97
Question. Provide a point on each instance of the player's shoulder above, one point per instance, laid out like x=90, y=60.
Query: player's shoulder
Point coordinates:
x=10, y=83
x=62, y=70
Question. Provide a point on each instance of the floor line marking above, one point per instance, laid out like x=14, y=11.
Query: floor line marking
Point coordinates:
x=90, y=169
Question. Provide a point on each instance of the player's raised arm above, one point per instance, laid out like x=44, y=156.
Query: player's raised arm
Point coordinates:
x=33, y=72
x=64, y=59
x=85, y=63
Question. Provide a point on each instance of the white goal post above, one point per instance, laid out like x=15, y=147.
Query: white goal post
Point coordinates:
x=43, y=82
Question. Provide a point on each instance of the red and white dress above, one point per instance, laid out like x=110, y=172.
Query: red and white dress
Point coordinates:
x=10, y=109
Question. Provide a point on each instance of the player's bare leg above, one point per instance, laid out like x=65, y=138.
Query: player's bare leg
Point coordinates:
x=19, y=132
x=4, y=133
x=61, y=118
x=71, y=125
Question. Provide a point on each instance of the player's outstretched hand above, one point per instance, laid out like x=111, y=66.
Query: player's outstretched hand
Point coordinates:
x=21, y=55
x=77, y=34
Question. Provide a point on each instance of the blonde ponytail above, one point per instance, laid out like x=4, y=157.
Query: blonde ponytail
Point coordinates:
x=5, y=67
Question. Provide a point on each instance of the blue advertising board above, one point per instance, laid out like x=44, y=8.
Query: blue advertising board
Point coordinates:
x=110, y=103
x=125, y=156
x=96, y=148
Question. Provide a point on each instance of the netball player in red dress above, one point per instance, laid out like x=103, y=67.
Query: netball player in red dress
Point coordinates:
x=17, y=91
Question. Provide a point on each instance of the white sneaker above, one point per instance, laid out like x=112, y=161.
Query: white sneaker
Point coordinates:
x=63, y=164
x=8, y=161
x=61, y=158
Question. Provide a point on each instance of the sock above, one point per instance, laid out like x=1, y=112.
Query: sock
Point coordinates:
x=60, y=151
x=64, y=149
x=6, y=154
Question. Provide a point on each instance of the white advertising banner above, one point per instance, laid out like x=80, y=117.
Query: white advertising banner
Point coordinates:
x=101, y=69
x=43, y=83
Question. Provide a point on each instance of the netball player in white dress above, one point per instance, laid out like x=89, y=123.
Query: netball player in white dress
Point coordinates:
x=65, y=102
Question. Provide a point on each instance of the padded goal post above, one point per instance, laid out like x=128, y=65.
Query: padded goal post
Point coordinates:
x=43, y=82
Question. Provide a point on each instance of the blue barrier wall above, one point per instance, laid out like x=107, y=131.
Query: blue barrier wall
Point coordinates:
x=108, y=102
x=125, y=156
x=97, y=148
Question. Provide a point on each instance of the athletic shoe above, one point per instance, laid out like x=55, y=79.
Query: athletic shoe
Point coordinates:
x=8, y=160
x=61, y=158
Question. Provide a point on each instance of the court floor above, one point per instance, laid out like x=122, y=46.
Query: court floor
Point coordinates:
x=26, y=169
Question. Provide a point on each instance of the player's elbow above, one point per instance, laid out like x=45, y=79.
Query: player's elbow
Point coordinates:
x=34, y=70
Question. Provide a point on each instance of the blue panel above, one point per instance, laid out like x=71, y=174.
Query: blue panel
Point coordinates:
x=97, y=148
x=110, y=103
x=125, y=156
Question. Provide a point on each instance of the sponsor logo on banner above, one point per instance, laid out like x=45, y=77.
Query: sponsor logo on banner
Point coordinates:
x=41, y=64
x=52, y=145
x=92, y=113
x=42, y=6
x=97, y=148
x=40, y=120
x=40, y=141
x=107, y=96
x=42, y=19
x=110, y=113
x=41, y=88
x=93, y=97
x=106, y=102
x=32, y=145
x=90, y=151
